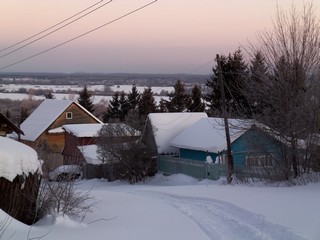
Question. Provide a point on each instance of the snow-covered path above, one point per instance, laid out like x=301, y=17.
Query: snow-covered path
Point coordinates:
x=182, y=208
x=221, y=220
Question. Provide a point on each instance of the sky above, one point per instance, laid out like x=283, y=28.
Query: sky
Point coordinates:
x=180, y=36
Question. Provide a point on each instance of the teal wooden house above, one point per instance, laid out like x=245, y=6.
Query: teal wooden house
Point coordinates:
x=250, y=145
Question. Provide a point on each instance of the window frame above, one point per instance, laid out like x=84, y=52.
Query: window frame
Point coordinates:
x=69, y=115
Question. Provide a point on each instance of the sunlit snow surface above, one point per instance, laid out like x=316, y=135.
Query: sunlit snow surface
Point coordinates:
x=180, y=207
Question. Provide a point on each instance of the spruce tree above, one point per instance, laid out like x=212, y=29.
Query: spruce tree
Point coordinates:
x=163, y=105
x=234, y=72
x=258, y=71
x=147, y=103
x=124, y=106
x=84, y=99
x=197, y=104
x=178, y=99
x=133, y=97
x=113, y=110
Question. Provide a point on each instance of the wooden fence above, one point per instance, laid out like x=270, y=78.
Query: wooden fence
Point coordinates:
x=193, y=168
x=91, y=171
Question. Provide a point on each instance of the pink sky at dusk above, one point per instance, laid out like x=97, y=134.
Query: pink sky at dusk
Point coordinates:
x=169, y=36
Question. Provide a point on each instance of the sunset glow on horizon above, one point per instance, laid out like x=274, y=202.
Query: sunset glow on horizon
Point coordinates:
x=169, y=36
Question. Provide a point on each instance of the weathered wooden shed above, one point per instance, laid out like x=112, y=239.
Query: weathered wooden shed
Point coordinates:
x=20, y=176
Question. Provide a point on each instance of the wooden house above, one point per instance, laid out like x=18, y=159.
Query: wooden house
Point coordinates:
x=161, y=128
x=202, y=149
x=81, y=149
x=43, y=128
x=250, y=145
x=8, y=127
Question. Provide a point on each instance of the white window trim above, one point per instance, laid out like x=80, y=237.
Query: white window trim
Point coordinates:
x=67, y=115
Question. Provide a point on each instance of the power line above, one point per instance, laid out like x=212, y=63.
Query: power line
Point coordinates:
x=55, y=30
x=79, y=36
x=57, y=24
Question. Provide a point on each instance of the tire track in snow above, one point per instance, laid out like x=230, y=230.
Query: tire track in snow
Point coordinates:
x=220, y=220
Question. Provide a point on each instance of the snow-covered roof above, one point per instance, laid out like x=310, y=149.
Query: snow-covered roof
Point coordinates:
x=43, y=116
x=17, y=159
x=168, y=125
x=83, y=130
x=92, y=130
x=208, y=134
x=90, y=154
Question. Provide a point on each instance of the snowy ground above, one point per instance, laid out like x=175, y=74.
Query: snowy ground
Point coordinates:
x=179, y=207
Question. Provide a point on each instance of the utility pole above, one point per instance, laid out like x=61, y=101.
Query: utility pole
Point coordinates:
x=226, y=124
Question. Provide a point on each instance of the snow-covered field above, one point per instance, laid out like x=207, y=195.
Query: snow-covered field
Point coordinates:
x=10, y=88
x=180, y=207
x=93, y=88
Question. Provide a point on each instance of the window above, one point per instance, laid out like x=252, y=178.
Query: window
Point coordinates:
x=69, y=115
x=259, y=160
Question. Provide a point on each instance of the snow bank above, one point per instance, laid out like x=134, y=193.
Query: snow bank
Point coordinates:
x=17, y=159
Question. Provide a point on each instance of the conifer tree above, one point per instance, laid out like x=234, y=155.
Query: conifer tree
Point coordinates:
x=124, y=106
x=234, y=72
x=258, y=71
x=133, y=97
x=147, y=103
x=84, y=99
x=197, y=104
x=113, y=110
x=163, y=105
x=178, y=99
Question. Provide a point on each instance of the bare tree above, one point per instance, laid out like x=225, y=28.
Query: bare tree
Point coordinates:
x=287, y=95
x=127, y=158
x=61, y=197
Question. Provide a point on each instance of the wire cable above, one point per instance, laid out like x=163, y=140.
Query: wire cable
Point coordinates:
x=79, y=36
x=47, y=29
x=53, y=31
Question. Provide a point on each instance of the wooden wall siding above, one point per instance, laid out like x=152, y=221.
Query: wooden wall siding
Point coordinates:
x=71, y=153
x=20, y=201
x=78, y=116
x=4, y=129
x=196, y=154
x=29, y=143
x=56, y=141
x=254, y=141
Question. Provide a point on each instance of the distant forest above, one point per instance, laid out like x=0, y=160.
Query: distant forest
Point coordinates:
x=106, y=79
